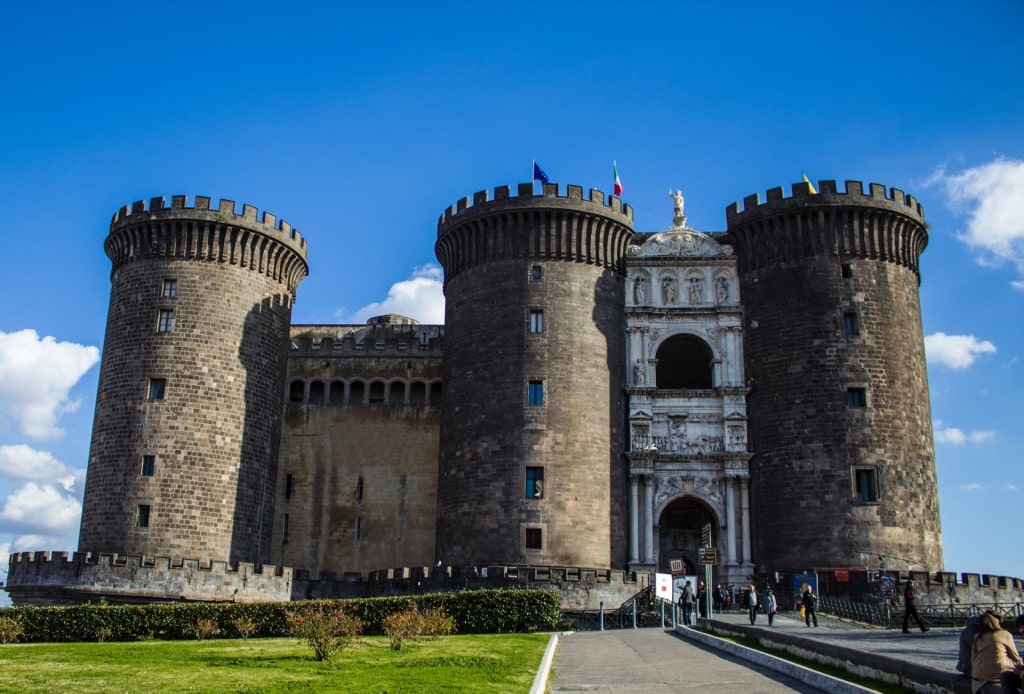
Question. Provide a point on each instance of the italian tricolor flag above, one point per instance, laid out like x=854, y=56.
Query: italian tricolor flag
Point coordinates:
x=617, y=185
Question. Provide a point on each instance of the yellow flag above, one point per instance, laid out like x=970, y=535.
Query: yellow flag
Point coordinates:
x=810, y=185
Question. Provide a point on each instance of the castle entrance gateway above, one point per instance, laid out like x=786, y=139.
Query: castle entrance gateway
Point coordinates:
x=687, y=446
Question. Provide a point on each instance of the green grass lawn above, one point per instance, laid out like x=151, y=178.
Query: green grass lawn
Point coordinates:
x=472, y=663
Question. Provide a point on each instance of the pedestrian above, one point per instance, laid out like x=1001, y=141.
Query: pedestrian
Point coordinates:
x=910, y=609
x=809, y=601
x=993, y=655
x=686, y=602
x=702, y=600
x=752, y=603
x=719, y=598
x=1013, y=680
x=771, y=605
x=965, y=642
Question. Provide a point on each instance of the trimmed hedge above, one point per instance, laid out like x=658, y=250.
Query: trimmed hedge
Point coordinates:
x=475, y=611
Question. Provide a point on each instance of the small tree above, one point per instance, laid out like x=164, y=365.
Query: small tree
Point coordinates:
x=412, y=624
x=325, y=629
x=202, y=629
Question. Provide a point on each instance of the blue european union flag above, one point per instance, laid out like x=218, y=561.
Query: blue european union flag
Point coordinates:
x=539, y=175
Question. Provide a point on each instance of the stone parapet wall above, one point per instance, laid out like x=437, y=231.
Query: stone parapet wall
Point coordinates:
x=45, y=578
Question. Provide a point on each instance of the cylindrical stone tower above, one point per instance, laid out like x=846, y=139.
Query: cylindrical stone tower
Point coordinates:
x=844, y=466
x=188, y=415
x=531, y=464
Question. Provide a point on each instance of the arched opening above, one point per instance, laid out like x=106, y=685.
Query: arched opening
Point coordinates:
x=679, y=533
x=316, y=393
x=397, y=394
x=684, y=361
x=356, y=393
x=377, y=392
x=435, y=393
x=296, y=391
x=336, y=396
x=418, y=393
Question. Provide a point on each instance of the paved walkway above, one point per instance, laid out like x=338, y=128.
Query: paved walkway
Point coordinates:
x=660, y=660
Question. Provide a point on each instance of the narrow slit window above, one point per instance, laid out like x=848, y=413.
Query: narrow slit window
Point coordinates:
x=534, y=538
x=536, y=321
x=534, y=483
x=284, y=529
x=851, y=328
x=865, y=485
x=359, y=527
x=165, y=322
x=289, y=486
x=536, y=394
x=157, y=388
x=359, y=490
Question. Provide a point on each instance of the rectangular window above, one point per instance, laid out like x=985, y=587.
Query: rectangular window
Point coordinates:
x=284, y=529
x=142, y=516
x=847, y=270
x=170, y=289
x=534, y=483
x=157, y=387
x=536, y=321
x=850, y=327
x=289, y=486
x=165, y=323
x=534, y=538
x=865, y=485
x=856, y=397
x=148, y=465
x=537, y=272
x=536, y=393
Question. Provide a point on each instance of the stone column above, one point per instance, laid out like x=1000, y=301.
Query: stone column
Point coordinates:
x=730, y=520
x=745, y=506
x=649, y=519
x=634, y=521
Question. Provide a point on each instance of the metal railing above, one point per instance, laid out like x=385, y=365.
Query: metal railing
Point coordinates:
x=932, y=614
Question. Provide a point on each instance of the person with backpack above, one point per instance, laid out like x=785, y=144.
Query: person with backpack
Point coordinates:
x=686, y=603
x=809, y=601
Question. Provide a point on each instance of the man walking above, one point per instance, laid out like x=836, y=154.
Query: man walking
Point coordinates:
x=809, y=601
x=910, y=608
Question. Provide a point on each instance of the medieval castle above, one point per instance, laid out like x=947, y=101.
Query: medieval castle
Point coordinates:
x=595, y=399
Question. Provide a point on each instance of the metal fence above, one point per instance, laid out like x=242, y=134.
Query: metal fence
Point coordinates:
x=936, y=614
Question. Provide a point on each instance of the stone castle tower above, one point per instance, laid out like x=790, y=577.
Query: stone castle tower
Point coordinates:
x=531, y=467
x=844, y=466
x=188, y=415
x=607, y=396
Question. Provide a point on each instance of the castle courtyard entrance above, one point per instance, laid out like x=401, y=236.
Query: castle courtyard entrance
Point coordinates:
x=679, y=533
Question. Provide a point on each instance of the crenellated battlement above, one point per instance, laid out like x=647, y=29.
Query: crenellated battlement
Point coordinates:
x=54, y=578
x=483, y=202
x=225, y=212
x=257, y=242
x=369, y=340
x=801, y=196
x=885, y=225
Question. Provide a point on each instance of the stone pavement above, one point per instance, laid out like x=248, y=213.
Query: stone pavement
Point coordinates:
x=664, y=660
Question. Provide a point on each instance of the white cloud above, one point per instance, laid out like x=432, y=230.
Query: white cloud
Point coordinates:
x=41, y=507
x=27, y=464
x=971, y=488
x=36, y=376
x=1010, y=487
x=957, y=437
x=955, y=351
x=992, y=196
x=421, y=297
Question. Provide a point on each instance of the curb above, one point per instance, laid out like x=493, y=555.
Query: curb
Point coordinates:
x=540, y=680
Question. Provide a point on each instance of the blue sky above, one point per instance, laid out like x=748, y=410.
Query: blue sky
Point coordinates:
x=361, y=126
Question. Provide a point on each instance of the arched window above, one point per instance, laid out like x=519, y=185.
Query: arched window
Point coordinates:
x=397, y=394
x=684, y=361
x=435, y=393
x=337, y=393
x=316, y=393
x=356, y=392
x=377, y=392
x=418, y=393
x=296, y=391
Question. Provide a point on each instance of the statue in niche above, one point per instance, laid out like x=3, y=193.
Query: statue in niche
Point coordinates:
x=640, y=291
x=639, y=372
x=668, y=290
x=696, y=291
x=722, y=290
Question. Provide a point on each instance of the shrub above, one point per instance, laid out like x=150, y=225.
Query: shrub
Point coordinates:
x=10, y=629
x=202, y=629
x=245, y=626
x=104, y=634
x=436, y=623
x=412, y=624
x=325, y=628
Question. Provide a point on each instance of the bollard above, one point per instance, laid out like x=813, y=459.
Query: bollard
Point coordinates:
x=601, y=615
